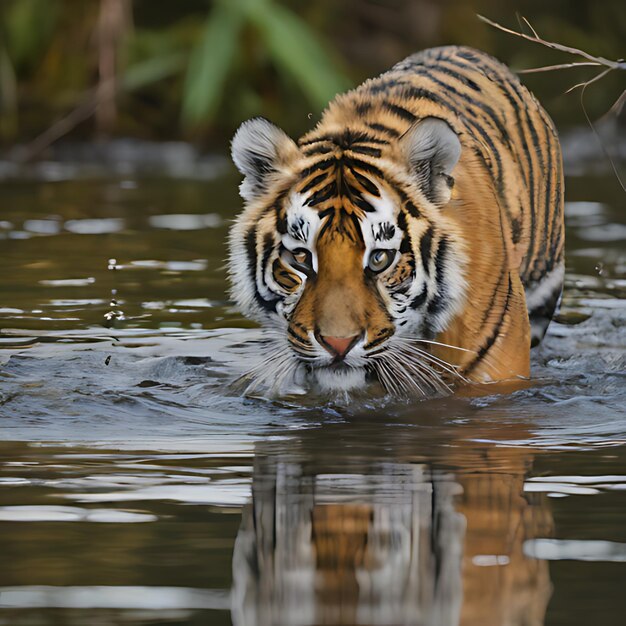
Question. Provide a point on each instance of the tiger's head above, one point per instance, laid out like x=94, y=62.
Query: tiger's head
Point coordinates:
x=346, y=253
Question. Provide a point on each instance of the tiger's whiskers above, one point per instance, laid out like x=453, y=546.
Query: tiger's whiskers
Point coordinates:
x=272, y=371
x=403, y=368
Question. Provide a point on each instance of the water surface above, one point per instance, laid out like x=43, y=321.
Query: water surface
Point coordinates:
x=137, y=488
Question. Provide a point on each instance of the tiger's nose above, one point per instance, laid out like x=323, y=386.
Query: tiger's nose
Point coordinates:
x=339, y=346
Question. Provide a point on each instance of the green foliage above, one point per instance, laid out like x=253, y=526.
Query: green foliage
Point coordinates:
x=188, y=62
x=295, y=49
x=28, y=26
x=200, y=66
x=25, y=28
x=209, y=63
x=291, y=45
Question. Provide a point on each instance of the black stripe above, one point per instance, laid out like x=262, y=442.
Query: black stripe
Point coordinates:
x=285, y=276
x=326, y=224
x=363, y=204
x=402, y=223
x=268, y=247
x=556, y=230
x=366, y=183
x=375, y=152
x=419, y=299
x=406, y=245
x=323, y=194
x=436, y=305
x=382, y=337
x=353, y=163
x=318, y=139
x=492, y=301
x=516, y=228
x=412, y=209
x=547, y=192
x=266, y=305
x=354, y=218
x=426, y=244
x=320, y=165
x=463, y=78
x=381, y=85
x=282, y=226
x=419, y=93
x=392, y=132
x=347, y=190
x=294, y=334
x=352, y=138
x=494, y=334
x=323, y=149
x=399, y=111
x=313, y=182
x=279, y=211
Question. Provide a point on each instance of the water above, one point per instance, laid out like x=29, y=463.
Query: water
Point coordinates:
x=136, y=487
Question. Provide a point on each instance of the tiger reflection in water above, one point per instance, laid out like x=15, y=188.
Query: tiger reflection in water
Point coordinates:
x=391, y=543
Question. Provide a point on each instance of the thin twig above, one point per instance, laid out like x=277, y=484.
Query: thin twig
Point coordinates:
x=620, y=64
x=532, y=30
x=60, y=128
x=560, y=66
x=586, y=83
x=595, y=132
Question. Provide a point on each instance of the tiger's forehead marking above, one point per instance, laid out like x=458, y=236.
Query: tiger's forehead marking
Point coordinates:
x=378, y=226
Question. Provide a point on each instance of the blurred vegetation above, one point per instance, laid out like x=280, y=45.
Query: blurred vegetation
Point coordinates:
x=195, y=68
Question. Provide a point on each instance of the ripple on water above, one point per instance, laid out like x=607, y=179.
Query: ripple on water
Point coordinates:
x=153, y=598
x=128, y=461
x=43, y=513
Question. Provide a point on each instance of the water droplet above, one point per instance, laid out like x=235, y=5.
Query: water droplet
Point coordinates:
x=599, y=268
x=115, y=314
x=309, y=115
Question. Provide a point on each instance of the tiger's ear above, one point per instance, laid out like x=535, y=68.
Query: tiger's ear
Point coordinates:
x=432, y=149
x=260, y=150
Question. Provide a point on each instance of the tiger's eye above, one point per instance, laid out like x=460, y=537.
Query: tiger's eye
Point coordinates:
x=300, y=259
x=380, y=260
x=300, y=256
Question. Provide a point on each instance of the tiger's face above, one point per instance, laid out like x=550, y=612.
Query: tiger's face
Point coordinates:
x=344, y=252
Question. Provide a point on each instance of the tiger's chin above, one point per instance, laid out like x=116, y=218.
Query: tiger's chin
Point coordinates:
x=333, y=379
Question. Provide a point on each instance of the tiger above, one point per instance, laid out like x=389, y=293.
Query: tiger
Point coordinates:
x=414, y=237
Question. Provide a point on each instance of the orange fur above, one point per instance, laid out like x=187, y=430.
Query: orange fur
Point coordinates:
x=486, y=237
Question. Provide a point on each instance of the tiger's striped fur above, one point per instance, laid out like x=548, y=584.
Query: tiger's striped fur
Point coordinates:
x=451, y=168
